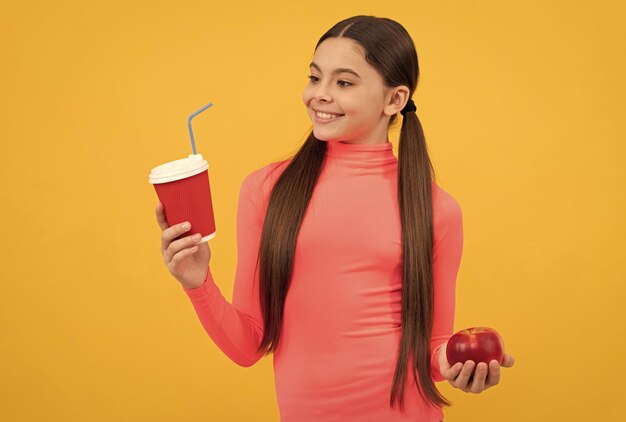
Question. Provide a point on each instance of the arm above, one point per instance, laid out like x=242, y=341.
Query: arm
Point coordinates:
x=237, y=329
x=447, y=251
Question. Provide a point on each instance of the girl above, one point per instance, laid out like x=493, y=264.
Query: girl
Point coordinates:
x=347, y=256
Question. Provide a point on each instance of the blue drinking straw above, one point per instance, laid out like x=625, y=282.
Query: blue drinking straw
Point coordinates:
x=193, y=144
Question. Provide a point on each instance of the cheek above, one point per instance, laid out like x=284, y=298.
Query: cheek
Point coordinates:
x=307, y=95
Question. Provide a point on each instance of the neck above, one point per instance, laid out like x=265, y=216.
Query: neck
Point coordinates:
x=361, y=155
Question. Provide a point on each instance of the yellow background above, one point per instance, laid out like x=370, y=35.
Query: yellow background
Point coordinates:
x=523, y=109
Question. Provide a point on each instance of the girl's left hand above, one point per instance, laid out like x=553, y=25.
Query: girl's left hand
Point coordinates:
x=460, y=375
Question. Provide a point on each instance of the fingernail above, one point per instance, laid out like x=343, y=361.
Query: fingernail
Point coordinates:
x=186, y=225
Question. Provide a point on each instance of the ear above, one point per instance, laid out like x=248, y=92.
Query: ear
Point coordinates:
x=396, y=99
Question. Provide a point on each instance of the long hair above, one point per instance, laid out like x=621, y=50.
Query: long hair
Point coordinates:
x=388, y=48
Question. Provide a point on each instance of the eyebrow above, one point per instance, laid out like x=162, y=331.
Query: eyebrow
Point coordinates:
x=337, y=71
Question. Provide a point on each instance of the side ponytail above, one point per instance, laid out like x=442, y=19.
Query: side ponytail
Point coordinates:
x=416, y=176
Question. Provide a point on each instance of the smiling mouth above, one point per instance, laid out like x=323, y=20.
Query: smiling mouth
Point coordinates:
x=326, y=116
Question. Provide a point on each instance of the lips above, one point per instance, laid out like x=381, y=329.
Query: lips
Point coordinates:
x=327, y=112
x=324, y=121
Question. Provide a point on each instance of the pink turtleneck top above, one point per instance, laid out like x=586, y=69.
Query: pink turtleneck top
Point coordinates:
x=337, y=354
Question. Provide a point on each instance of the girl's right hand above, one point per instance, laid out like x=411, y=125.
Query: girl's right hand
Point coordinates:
x=185, y=259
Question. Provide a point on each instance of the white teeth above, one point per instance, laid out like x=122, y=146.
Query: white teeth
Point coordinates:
x=326, y=116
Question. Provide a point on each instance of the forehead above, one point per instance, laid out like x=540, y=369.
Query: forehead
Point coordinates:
x=340, y=52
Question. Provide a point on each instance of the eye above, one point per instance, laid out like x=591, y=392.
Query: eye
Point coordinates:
x=341, y=83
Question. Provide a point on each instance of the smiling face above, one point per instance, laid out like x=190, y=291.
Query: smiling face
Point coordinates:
x=343, y=83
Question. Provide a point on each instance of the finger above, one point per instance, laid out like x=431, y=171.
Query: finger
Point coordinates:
x=453, y=372
x=457, y=369
x=168, y=247
x=493, y=377
x=184, y=254
x=462, y=380
x=180, y=244
x=160, y=216
x=480, y=375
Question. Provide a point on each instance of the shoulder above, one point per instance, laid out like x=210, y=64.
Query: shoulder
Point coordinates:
x=259, y=182
x=444, y=204
x=447, y=213
x=268, y=174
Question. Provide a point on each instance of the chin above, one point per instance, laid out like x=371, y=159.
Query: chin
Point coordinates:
x=319, y=135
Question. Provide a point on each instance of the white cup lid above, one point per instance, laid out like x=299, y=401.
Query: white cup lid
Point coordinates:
x=178, y=169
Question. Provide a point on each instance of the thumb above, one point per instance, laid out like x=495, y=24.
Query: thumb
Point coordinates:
x=508, y=361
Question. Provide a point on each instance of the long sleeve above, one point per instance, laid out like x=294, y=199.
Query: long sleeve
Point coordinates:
x=447, y=251
x=237, y=328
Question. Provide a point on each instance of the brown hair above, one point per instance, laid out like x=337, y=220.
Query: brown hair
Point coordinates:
x=388, y=48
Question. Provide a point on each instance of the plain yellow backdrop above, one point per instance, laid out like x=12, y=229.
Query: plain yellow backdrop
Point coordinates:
x=522, y=105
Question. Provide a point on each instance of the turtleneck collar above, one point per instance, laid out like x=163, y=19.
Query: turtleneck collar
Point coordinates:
x=361, y=155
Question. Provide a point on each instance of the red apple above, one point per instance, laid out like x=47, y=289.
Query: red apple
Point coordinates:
x=480, y=344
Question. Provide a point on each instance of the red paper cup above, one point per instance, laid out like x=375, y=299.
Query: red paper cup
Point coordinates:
x=183, y=188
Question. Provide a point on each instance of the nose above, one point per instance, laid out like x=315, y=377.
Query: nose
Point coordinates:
x=321, y=93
